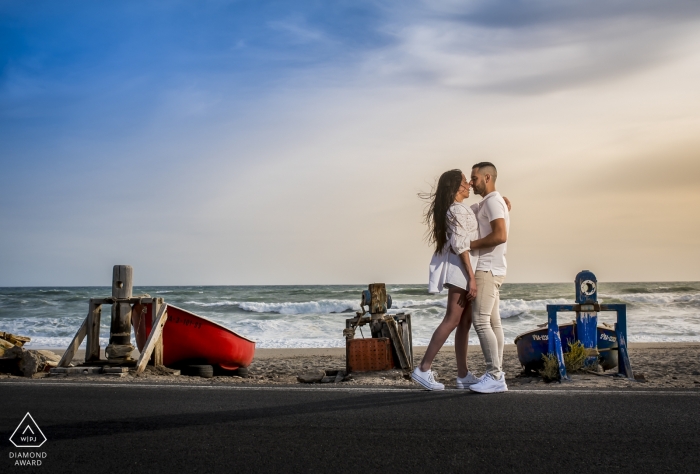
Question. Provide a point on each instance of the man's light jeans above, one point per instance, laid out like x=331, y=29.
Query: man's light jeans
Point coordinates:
x=487, y=320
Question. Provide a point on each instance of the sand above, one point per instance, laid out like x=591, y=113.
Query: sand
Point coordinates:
x=664, y=365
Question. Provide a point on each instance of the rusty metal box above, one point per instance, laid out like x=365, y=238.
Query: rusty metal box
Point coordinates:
x=365, y=355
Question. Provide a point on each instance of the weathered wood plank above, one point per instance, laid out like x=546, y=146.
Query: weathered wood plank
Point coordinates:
x=397, y=340
x=157, y=356
x=92, y=350
x=156, y=333
x=76, y=370
x=73, y=347
x=115, y=370
x=405, y=331
x=378, y=303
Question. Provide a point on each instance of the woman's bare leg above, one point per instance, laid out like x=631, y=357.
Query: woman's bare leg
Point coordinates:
x=456, y=302
x=462, y=340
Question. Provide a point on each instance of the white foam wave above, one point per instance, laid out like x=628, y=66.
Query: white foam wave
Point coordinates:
x=304, y=307
x=314, y=307
x=216, y=303
x=516, y=307
x=402, y=304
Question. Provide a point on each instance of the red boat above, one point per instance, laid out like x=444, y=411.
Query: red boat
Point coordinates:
x=188, y=337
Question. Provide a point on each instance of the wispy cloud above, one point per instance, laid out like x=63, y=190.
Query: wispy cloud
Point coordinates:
x=531, y=46
x=298, y=30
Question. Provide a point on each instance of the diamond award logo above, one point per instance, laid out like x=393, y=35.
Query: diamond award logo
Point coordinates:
x=27, y=434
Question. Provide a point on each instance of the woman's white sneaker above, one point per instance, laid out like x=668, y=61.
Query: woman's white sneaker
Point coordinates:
x=467, y=381
x=426, y=379
x=489, y=384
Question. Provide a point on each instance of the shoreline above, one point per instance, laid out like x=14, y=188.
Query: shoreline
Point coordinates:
x=292, y=352
x=664, y=365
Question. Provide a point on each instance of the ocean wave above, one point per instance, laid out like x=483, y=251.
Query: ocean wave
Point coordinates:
x=305, y=307
x=517, y=307
x=216, y=303
x=508, y=308
x=322, y=306
x=659, y=298
x=402, y=304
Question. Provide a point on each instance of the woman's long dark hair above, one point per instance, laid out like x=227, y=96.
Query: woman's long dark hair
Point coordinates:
x=439, y=202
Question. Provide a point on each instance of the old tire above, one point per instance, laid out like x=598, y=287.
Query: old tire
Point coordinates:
x=241, y=372
x=206, y=371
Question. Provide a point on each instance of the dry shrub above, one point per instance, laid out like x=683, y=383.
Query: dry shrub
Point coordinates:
x=575, y=359
x=550, y=371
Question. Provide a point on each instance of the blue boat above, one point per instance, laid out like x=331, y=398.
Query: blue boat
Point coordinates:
x=532, y=345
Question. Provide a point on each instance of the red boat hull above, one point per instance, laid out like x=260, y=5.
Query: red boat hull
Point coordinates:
x=189, y=337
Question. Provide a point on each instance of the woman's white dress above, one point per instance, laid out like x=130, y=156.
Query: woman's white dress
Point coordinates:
x=446, y=267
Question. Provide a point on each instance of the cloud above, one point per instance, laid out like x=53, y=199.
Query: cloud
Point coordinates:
x=298, y=30
x=531, y=47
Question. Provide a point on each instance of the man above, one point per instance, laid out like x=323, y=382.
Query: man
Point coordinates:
x=494, y=224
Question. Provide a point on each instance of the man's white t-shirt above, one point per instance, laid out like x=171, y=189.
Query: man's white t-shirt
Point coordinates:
x=490, y=208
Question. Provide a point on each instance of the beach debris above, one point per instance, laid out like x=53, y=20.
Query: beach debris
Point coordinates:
x=391, y=343
x=311, y=377
x=5, y=345
x=204, y=371
x=323, y=376
x=27, y=362
x=12, y=339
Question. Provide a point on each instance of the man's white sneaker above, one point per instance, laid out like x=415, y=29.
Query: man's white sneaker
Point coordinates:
x=467, y=381
x=426, y=379
x=489, y=384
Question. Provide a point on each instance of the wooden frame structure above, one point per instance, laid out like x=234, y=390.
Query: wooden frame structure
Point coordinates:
x=90, y=329
x=396, y=328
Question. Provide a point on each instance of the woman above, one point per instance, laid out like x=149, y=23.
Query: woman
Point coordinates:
x=452, y=226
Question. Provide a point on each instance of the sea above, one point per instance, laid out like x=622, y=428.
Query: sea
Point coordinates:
x=314, y=315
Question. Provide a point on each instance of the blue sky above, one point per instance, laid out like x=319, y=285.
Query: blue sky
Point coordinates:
x=285, y=142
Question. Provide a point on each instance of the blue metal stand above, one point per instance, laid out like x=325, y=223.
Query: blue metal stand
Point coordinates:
x=623, y=364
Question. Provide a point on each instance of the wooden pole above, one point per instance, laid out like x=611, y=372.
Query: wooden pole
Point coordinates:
x=377, y=308
x=120, y=348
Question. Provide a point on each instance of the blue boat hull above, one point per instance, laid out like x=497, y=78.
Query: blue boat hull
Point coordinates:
x=532, y=345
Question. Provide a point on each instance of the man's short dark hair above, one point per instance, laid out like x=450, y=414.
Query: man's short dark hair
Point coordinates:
x=489, y=167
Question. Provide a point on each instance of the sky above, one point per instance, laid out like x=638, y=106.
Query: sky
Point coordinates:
x=263, y=143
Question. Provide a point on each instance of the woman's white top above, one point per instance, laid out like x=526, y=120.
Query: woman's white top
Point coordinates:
x=446, y=267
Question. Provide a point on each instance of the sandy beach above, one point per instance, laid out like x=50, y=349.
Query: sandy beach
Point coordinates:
x=663, y=365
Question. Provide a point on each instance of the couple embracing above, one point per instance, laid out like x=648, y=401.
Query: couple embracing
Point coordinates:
x=470, y=261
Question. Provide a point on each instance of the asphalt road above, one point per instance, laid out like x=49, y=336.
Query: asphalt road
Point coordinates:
x=124, y=428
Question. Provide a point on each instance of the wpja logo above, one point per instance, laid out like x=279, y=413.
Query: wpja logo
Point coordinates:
x=28, y=435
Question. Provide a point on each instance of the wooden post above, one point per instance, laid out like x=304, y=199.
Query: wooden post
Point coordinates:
x=120, y=348
x=377, y=308
x=92, y=350
x=156, y=333
x=74, y=344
